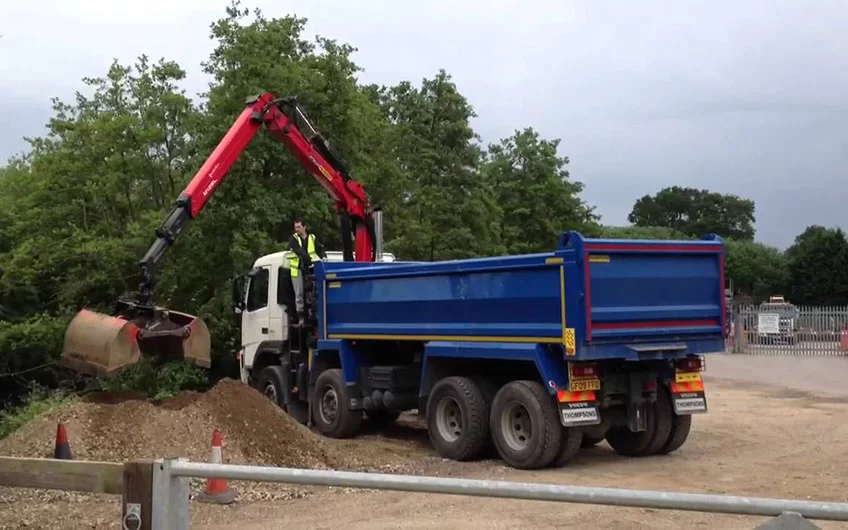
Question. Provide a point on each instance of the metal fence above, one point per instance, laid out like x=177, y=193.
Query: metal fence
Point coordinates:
x=788, y=330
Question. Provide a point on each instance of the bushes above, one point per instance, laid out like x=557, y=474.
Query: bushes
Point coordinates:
x=39, y=400
x=155, y=382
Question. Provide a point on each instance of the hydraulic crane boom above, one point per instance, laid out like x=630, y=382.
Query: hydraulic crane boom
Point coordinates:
x=102, y=345
x=312, y=151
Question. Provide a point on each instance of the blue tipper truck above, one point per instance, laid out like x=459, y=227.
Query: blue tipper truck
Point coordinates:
x=539, y=354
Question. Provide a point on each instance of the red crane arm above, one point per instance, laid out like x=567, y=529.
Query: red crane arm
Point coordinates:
x=312, y=151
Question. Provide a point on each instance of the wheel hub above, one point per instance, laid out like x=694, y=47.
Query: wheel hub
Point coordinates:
x=329, y=408
x=270, y=392
x=449, y=419
x=517, y=427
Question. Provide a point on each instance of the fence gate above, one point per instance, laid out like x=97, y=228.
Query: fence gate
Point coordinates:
x=788, y=330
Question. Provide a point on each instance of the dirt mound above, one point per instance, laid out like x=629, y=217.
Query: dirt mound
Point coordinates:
x=121, y=426
x=264, y=433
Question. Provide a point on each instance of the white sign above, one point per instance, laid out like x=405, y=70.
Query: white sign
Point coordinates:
x=768, y=323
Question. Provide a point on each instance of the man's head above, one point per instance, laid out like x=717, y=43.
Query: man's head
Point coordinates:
x=300, y=227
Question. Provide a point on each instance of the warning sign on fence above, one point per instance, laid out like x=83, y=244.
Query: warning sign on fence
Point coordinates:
x=768, y=323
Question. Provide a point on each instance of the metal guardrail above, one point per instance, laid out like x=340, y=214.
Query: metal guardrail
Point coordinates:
x=155, y=493
x=171, y=505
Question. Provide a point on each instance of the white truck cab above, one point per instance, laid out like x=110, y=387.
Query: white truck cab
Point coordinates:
x=268, y=298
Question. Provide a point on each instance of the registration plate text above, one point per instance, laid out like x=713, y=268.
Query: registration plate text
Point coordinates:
x=584, y=384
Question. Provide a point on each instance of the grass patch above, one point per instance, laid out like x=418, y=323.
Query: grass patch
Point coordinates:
x=39, y=401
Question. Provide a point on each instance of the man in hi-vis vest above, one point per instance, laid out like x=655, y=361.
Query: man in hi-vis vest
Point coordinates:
x=304, y=249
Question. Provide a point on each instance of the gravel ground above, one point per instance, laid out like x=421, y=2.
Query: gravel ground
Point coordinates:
x=775, y=441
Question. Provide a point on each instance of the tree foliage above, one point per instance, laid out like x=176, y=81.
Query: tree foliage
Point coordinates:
x=696, y=212
x=80, y=209
x=638, y=232
x=532, y=187
x=818, y=267
x=755, y=269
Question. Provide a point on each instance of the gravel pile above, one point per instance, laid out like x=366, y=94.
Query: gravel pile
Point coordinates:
x=124, y=426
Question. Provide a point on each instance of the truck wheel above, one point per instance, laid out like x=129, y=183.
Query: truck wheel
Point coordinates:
x=330, y=411
x=663, y=416
x=680, y=428
x=270, y=384
x=594, y=434
x=457, y=418
x=644, y=443
x=569, y=445
x=525, y=425
x=489, y=389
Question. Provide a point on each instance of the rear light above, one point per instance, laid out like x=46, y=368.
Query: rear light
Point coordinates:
x=691, y=364
x=584, y=370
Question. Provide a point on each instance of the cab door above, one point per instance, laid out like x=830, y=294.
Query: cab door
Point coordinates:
x=255, y=319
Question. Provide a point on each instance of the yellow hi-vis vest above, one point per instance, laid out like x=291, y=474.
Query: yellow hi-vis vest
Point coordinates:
x=294, y=259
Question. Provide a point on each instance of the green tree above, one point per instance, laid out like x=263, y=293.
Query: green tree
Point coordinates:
x=252, y=211
x=637, y=232
x=445, y=208
x=818, y=267
x=81, y=207
x=531, y=185
x=755, y=269
x=696, y=212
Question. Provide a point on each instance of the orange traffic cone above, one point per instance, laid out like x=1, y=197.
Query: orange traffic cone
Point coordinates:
x=218, y=491
x=61, y=448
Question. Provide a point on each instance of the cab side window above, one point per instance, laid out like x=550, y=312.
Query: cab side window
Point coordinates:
x=257, y=292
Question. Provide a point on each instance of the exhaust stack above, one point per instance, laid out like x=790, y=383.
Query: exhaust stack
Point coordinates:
x=378, y=234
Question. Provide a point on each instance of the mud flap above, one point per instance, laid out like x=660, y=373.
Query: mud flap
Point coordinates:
x=577, y=408
x=688, y=397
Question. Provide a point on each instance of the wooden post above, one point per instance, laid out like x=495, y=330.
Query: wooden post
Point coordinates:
x=137, y=512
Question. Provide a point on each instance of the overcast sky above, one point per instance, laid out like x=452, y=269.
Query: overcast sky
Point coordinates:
x=746, y=97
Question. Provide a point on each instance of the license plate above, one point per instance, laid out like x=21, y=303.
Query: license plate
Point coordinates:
x=584, y=384
x=689, y=403
x=580, y=413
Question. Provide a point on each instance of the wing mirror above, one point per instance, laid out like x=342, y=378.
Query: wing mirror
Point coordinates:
x=239, y=283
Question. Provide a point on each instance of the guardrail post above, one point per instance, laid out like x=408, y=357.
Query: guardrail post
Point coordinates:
x=138, y=495
x=788, y=521
x=170, y=497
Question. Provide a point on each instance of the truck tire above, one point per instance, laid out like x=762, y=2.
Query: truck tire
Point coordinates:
x=569, y=445
x=330, y=411
x=525, y=425
x=644, y=443
x=594, y=434
x=680, y=428
x=457, y=418
x=270, y=384
x=489, y=389
x=664, y=416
